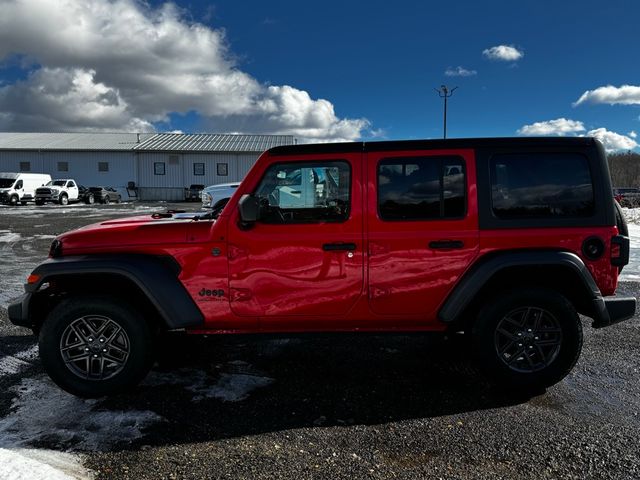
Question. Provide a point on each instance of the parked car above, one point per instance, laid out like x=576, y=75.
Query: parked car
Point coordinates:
x=504, y=241
x=106, y=194
x=61, y=190
x=627, y=196
x=86, y=195
x=20, y=187
x=193, y=193
x=218, y=194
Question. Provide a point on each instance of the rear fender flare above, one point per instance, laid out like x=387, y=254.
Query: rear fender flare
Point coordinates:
x=482, y=272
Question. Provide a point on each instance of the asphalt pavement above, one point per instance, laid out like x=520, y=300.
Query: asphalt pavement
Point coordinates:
x=316, y=406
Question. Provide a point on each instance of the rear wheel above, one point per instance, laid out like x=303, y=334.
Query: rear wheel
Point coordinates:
x=528, y=339
x=94, y=346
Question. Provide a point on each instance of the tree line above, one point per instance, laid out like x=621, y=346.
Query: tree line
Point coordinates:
x=625, y=169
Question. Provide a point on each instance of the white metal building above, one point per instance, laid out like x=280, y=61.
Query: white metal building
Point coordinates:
x=161, y=165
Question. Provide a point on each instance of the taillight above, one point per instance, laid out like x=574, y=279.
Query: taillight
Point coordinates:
x=619, y=250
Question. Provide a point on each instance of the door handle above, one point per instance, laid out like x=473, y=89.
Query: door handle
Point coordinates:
x=446, y=244
x=332, y=247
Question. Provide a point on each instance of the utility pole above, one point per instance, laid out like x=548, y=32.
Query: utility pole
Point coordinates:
x=445, y=93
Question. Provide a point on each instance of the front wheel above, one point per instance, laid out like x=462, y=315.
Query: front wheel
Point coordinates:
x=90, y=199
x=528, y=339
x=106, y=200
x=94, y=346
x=64, y=200
x=13, y=200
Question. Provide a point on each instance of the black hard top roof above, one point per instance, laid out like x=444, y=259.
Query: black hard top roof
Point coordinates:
x=453, y=143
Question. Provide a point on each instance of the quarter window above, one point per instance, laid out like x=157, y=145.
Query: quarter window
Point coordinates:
x=421, y=188
x=305, y=192
x=541, y=186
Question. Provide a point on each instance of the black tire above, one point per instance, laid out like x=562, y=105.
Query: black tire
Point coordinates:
x=70, y=331
x=106, y=200
x=39, y=202
x=542, y=351
x=90, y=199
x=13, y=200
x=64, y=199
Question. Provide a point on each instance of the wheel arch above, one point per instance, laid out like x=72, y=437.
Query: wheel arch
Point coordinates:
x=563, y=272
x=149, y=282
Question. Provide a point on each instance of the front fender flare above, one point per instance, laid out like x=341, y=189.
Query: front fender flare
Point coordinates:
x=155, y=276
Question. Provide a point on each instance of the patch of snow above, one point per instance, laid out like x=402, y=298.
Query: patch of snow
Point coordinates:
x=230, y=387
x=12, y=364
x=42, y=412
x=27, y=464
x=7, y=236
x=234, y=385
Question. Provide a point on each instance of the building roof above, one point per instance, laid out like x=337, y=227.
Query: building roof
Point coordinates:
x=154, y=142
x=71, y=141
x=213, y=142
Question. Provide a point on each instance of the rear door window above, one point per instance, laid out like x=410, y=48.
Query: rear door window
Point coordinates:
x=541, y=185
x=421, y=188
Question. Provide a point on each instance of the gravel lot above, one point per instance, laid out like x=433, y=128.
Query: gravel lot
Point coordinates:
x=330, y=406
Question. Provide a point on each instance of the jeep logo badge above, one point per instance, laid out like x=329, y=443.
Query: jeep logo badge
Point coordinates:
x=211, y=293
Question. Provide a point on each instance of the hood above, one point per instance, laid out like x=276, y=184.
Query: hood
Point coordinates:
x=128, y=233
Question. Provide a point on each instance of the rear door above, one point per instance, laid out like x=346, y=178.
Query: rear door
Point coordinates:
x=423, y=228
x=305, y=256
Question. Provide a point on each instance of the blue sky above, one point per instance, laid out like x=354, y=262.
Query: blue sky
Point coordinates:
x=376, y=64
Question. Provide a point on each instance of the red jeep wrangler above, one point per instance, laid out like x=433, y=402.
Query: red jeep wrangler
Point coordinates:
x=506, y=240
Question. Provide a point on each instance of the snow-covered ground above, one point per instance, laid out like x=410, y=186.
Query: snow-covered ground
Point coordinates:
x=632, y=271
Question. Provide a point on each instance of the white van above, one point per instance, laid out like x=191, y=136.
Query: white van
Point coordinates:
x=20, y=187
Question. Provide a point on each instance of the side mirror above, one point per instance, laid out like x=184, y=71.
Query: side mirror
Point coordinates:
x=249, y=207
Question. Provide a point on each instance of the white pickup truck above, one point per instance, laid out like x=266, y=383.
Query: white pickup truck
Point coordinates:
x=62, y=191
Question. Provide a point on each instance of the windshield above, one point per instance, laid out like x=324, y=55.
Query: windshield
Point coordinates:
x=57, y=183
x=6, y=182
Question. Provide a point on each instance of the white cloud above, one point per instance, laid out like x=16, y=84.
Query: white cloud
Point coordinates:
x=122, y=65
x=612, y=141
x=505, y=53
x=632, y=134
x=459, y=72
x=624, y=95
x=559, y=127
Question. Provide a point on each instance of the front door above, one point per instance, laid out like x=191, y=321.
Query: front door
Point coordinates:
x=304, y=257
x=423, y=228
